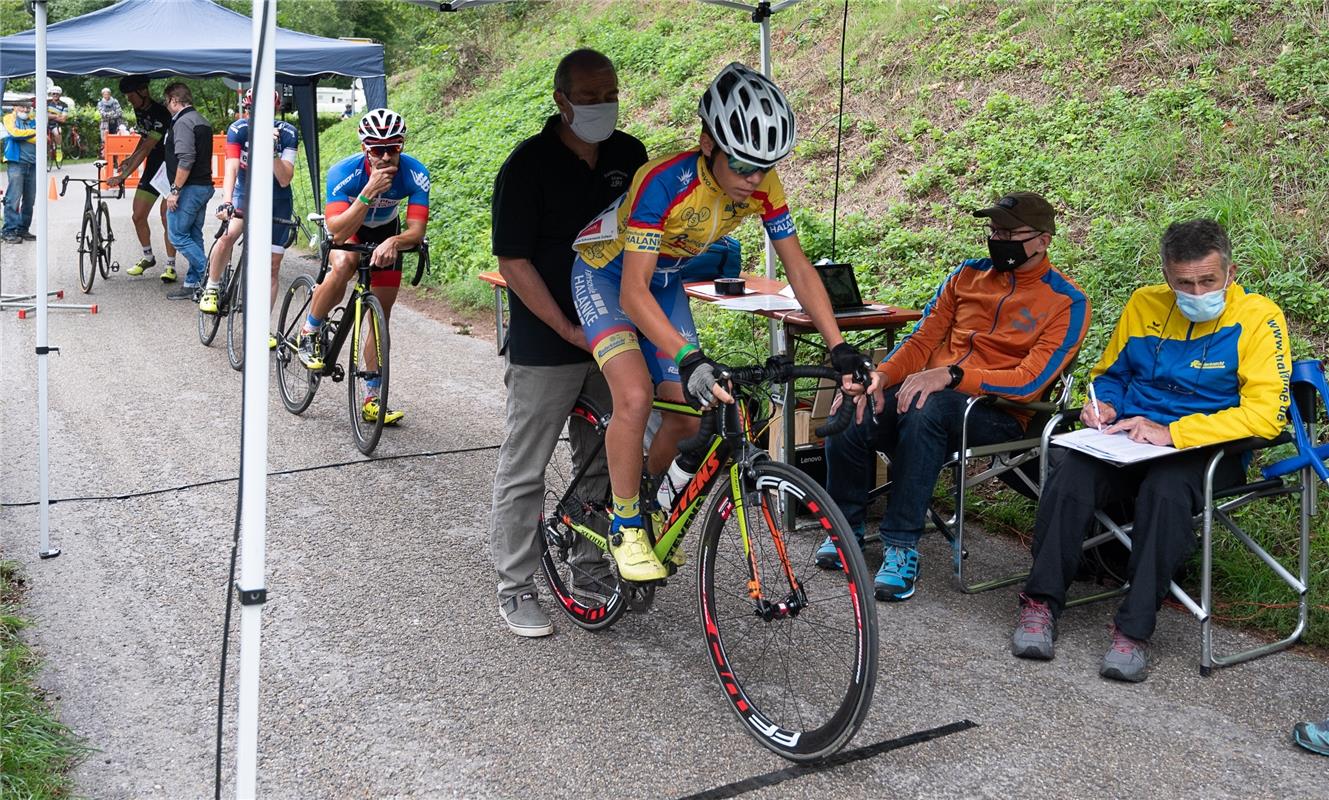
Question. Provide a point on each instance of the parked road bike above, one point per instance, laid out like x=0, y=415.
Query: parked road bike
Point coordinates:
x=793, y=646
x=361, y=320
x=94, y=236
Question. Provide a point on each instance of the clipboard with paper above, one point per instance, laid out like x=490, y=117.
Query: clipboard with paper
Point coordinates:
x=1114, y=447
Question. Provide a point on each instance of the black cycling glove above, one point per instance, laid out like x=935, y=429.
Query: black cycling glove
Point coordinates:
x=847, y=360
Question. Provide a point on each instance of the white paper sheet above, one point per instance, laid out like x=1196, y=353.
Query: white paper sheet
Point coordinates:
x=160, y=182
x=759, y=302
x=1114, y=447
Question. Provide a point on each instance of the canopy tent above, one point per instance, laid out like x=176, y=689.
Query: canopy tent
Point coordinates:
x=161, y=38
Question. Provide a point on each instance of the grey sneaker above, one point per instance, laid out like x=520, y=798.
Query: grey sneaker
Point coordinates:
x=592, y=591
x=1126, y=659
x=1035, y=631
x=183, y=292
x=524, y=616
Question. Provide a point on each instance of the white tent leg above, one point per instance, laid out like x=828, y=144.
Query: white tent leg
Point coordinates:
x=253, y=482
x=42, y=220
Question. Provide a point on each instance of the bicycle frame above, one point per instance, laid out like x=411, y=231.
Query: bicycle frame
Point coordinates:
x=355, y=304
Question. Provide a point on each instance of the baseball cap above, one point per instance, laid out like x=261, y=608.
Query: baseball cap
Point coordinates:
x=1019, y=209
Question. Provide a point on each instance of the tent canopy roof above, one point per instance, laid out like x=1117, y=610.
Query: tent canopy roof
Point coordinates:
x=180, y=37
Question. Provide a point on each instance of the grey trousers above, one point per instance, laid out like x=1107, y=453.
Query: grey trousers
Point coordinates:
x=539, y=401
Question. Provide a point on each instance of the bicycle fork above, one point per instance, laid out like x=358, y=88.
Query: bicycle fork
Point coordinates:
x=747, y=507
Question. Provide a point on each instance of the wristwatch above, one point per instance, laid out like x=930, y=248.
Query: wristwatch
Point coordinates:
x=175, y=189
x=957, y=375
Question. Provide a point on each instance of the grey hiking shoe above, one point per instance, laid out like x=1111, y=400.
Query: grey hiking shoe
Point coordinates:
x=524, y=616
x=1126, y=659
x=184, y=292
x=1035, y=631
x=592, y=591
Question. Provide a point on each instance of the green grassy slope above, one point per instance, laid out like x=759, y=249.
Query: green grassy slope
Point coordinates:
x=1128, y=114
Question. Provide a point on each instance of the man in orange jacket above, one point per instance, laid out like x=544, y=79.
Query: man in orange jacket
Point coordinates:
x=1006, y=326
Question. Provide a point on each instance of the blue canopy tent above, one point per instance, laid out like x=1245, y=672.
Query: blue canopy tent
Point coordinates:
x=161, y=38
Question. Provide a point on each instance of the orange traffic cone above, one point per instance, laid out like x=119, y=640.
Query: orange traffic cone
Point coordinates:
x=51, y=192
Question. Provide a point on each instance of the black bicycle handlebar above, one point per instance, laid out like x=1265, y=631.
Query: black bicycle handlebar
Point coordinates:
x=366, y=248
x=777, y=369
x=64, y=184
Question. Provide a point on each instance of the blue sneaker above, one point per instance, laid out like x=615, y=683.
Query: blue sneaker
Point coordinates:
x=1314, y=736
x=827, y=557
x=899, y=570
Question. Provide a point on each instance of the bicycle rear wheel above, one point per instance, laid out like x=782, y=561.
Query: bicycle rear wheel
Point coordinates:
x=794, y=647
x=295, y=383
x=235, y=317
x=579, y=573
x=104, y=239
x=87, y=253
x=368, y=337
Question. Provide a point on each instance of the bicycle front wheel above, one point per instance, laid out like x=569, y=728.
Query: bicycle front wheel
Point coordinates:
x=794, y=647
x=580, y=574
x=235, y=317
x=367, y=372
x=295, y=383
x=104, y=239
x=87, y=253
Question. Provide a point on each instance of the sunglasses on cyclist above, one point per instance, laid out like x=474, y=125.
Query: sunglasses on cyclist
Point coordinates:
x=743, y=168
x=382, y=150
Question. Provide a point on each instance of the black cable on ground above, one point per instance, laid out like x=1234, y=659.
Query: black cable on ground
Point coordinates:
x=839, y=132
x=275, y=473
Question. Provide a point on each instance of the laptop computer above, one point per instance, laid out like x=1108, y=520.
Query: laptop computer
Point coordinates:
x=842, y=287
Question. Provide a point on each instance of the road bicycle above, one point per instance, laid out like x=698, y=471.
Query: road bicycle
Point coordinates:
x=94, y=236
x=793, y=646
x=231, y=295
x=361, y=319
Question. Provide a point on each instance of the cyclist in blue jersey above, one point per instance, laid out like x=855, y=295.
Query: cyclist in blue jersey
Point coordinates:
x=365, y=192
x=285, y=141
x=629, y=294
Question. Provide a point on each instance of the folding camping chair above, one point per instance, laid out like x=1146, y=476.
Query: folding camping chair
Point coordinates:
x=1012, y=462
x=1292, y=476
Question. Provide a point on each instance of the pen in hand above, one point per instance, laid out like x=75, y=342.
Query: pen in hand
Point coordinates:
x=1093, y=397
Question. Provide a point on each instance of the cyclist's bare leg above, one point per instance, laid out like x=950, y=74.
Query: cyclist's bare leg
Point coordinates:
x=674, y=428
x=166, y=233
x=142, y=206
x=221, y=254
x=341, y=268
x=630, y=386
x=276, y=269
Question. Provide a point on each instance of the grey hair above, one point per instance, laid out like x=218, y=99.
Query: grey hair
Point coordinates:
x=1193, y=240
x=180, y=92
x=584, y=59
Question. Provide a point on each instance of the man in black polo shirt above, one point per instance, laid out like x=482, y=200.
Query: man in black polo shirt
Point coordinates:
x=551, y=186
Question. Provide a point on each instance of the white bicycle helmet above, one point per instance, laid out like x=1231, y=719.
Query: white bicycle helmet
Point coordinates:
x=748, y=116
x=381, y=124
x=56, y=90
x=249, y=98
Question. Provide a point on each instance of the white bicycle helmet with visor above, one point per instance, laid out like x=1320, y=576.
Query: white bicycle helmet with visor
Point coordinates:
x=748, y=116
x=382, y=125
x=248, y=102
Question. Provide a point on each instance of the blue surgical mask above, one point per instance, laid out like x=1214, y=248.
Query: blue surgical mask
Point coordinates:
x=1202, y=307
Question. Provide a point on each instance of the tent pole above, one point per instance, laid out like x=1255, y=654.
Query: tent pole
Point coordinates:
x=39, y=268
x=253, y=472
x=763, y=18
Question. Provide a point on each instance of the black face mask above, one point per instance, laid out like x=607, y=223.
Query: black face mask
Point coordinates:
x=1007, y=254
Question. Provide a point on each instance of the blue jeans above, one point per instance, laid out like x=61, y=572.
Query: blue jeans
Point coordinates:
x=20, y=197
x=185, y=225
x=918, y=443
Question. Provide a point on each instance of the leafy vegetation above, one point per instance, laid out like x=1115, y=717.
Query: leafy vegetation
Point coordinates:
x=36, y=751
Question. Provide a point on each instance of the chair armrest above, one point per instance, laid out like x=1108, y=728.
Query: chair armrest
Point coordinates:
x=1253, y=443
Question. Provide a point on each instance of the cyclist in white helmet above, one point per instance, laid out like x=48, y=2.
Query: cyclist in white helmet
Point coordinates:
x=365, y=192
x=629, y=292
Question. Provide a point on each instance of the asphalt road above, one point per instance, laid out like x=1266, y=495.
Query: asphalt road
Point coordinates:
x=387, y=671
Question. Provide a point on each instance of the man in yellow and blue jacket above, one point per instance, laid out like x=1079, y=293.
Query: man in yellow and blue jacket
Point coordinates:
x=1193, y=362
x=20, y=153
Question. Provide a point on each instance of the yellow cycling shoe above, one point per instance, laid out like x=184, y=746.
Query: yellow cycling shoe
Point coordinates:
x=636, y=561
x=208, y=302
x=169, y=275
x=140, y=265
x=272, y=342
x=370, y=412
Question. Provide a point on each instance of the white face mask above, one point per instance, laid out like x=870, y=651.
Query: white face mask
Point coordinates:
x=21, y=114
x=594, y=123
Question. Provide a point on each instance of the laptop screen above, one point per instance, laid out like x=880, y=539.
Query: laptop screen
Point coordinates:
x=841, y=285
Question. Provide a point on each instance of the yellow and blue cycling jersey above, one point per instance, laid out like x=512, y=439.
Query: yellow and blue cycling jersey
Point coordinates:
x=1208, y=382
x=676, y=208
